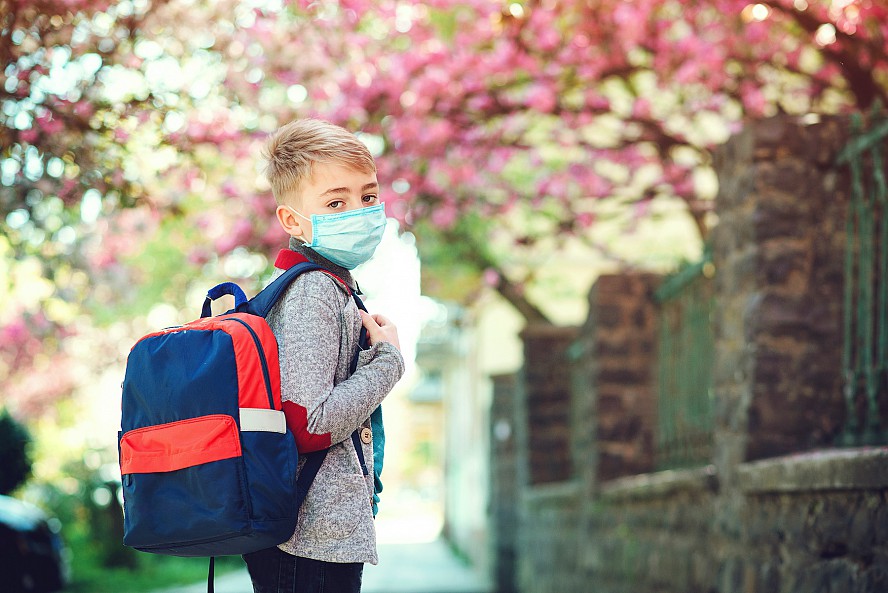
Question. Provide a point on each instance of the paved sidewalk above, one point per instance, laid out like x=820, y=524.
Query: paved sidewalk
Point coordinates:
x=420, y=568
x=427, y=567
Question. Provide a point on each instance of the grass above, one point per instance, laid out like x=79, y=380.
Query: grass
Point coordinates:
x=149, y=572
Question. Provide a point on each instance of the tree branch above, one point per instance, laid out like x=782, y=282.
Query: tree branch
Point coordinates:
x=848, y=59
x=477, y=254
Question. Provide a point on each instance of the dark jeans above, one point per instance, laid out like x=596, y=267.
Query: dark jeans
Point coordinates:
x=274, y=571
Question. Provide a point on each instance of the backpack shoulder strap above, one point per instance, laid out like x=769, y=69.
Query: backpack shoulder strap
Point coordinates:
x=287, y=259
x=294, y=264
x=262, y=303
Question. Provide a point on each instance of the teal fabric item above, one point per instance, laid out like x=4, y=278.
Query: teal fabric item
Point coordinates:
x=348, y=238
x=378, y=454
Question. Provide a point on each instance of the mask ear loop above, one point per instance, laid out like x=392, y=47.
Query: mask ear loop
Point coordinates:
x=297, y=213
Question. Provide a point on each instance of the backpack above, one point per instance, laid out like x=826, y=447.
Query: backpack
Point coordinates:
x=207, y=461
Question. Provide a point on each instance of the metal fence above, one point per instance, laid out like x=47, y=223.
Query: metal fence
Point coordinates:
x=686, y=352
x=865, y=353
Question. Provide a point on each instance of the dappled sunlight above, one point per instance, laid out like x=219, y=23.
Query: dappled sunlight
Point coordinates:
x=403, y=519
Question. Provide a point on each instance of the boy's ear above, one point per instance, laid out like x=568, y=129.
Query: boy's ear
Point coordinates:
x=291, y=223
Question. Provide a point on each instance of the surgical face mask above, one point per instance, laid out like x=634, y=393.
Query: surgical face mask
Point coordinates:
x=347, y=238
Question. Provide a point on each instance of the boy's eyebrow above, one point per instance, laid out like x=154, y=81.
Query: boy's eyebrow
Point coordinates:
x=344, y=190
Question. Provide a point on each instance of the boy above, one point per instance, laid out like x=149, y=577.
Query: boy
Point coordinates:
x=324, y=181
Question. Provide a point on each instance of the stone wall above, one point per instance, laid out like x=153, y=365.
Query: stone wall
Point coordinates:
x=814, y=523
x=549, y=530
x=777, y=510
x=811, y=523
x=644, y=534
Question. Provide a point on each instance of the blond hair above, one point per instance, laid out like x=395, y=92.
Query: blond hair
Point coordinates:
x=291, y=151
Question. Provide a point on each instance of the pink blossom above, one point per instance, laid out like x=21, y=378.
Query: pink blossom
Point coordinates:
x=547, y=37
x=541, y=98
x=229, y=189
x=84, y=109
x=753, y=99
x=102, y=259
x=596, y=102
x=438, y=132
x=225, y=244
x=274, y=236
x=641, y=208
x=13, y=332
x=443, y=215
x=199, y=256
x=642, y=108
x=30, y=135
x=49, y=125
x=585, y=219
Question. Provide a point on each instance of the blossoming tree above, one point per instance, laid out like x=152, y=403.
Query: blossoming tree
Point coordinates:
x=498, y=125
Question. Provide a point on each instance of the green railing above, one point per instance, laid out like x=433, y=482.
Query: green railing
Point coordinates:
x=865, y=352
x=686, y=349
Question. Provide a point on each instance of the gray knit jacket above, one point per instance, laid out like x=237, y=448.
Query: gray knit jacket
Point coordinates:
x=317, y=326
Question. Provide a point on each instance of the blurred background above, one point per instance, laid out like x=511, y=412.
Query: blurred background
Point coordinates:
x=637, y=254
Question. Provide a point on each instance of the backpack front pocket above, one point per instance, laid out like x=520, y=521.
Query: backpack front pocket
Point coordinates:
x=183, y=484
x=177, y=445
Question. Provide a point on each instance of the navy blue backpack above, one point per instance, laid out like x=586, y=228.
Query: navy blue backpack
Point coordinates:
x=207, y=461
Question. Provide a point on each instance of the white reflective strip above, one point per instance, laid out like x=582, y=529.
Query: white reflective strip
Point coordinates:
x=262, y=420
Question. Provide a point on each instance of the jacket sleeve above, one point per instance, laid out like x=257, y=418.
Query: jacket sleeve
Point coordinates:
x=319, y=411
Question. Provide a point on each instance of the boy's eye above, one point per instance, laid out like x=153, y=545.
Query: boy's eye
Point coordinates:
x=370, y=198
x=335, y=204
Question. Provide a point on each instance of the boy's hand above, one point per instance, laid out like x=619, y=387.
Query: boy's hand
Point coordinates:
x=380, y=329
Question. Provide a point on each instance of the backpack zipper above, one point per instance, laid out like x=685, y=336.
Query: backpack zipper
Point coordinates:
x=262, y=361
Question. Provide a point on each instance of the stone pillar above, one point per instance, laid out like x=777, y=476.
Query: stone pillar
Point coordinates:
x=504, y=484
x=778, y=251
x=615, y=375
x=547, y=402
x=614, y=402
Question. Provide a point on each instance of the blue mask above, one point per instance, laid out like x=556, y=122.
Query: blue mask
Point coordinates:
x=347, y=238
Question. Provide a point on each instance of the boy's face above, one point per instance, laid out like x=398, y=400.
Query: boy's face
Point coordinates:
x=331, y=188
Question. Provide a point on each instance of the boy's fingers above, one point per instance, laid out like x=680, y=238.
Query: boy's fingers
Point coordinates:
x=380, y=329
x=368, y=319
